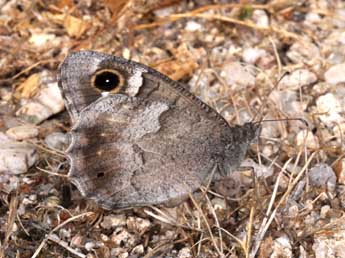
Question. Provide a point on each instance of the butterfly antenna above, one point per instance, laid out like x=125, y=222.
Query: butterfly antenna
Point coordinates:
x=284, y=119
x=266, y=100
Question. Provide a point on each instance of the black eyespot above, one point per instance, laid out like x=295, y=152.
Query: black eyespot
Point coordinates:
x=107, y=80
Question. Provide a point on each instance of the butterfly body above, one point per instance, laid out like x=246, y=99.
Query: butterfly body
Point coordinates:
x=146, y=141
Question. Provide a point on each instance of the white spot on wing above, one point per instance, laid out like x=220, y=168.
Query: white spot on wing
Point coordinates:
x=147, y=120
x=135, y=81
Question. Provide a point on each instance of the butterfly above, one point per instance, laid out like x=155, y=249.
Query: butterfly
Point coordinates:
x=139, y=138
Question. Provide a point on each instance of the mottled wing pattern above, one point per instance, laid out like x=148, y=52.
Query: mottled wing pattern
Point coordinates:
x=131, y=152
x=155, y=147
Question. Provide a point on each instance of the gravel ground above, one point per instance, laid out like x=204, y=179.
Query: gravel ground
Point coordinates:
x=250, y=60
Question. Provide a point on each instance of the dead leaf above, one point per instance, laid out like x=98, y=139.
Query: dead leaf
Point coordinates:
x=121, y=8
x=75, y=27
x=183, y=64
x=266, y=247
x=65, y=3
x=29, y=87
x=116, y=7
x=339, y=169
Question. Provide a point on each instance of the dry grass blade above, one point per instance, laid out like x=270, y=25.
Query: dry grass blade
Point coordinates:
x=276, y=54
x=40, y=247
x=31, y=67
x=228, y=6
x=157, y=249
x=201, y=212
x=162, y=216
x=198, y=244
x=22, y=226
x=214, y=214
x=48, y=150
x=239, y=241
x=267, y=220
x=51, y=173
x=10, y=222
x=249, y=231
x=270, y=215
x=161, y=247
x=54, y=238
x=217, y=17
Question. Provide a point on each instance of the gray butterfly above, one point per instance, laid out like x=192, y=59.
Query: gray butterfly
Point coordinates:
x=140, y=138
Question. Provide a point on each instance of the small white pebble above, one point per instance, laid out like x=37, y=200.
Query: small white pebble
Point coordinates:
x=307, y=139
x=218, y=203
x=65, y=233
x=312, y=18
x=122, y=237
x=297, y=79
x=260, y=18
x=238, y=76
x=40, y=40
x=27, y=201
x=322, y=175
x=324, y=211
x=330, y=108
x=93, y=245
x=282, y=248
x=184, y=253
x=115, y=252
x=89, y=246
x=22, y=132
x=335, y=74
x=46, y=102
x=309, y=205
x=56, y=140
x=126, y=53
x=14, y=227
x=193, y=26
x=113, y=220
x=139, y=225
x=293, y=211
x=105, y=238
x=33, y=197
x=17, y=157
x=139, y=249
x=123, y=255
x=252, y=55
